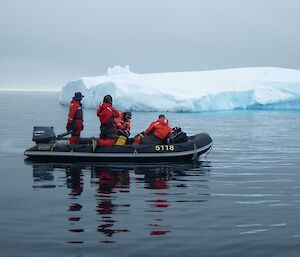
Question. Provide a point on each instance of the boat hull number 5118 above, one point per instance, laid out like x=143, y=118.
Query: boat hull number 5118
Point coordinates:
x=164, y=148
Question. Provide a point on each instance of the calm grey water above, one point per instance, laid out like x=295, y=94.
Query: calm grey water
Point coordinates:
x=243, y=200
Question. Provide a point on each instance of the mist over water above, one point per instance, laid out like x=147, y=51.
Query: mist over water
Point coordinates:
x=243, y=200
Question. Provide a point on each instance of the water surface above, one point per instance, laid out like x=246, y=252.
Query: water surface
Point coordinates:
x=242, y=200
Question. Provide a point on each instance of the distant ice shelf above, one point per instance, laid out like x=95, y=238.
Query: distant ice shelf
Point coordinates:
x=195, y=91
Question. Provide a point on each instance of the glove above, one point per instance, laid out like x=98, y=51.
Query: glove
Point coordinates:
x=122, y=132
x=69, y=127
x=127, y=134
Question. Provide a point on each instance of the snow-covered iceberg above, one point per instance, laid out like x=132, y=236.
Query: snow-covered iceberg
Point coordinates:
x=229, y=89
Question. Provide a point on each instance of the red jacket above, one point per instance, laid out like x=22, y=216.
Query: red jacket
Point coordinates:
x=160, y=128
x=122, y=123
x=75, y=111
x=106, y=113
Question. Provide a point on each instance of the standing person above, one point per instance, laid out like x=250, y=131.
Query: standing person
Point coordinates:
x=123, y=123
x=108, y=128
x=157, y=132
x=75, y=118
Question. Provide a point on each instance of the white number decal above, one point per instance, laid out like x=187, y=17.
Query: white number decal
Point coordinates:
x=164, y=148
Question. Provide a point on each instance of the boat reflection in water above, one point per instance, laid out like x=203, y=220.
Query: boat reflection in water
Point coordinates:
x=124, y=197
x=109, y=182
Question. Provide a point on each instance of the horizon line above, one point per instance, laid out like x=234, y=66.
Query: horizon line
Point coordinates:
x=28, y=91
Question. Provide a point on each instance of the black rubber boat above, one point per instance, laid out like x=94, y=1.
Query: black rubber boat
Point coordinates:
x=49, y=147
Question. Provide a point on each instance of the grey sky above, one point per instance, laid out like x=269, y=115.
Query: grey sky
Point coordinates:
x=46, y=43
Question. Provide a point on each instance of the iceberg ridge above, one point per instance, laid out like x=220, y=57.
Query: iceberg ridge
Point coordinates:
x=196, y=91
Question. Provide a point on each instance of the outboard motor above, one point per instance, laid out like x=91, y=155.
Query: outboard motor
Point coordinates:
x=43, y=135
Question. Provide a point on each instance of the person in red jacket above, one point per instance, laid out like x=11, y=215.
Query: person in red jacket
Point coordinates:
x=156, y=133
x=75, y=118
x=108, y=128
x=123, y=123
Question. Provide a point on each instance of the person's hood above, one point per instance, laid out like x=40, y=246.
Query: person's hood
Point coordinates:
x=163, y=121
x=75, y=101
x=104, y=105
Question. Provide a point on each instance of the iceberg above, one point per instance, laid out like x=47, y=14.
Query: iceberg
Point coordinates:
x=194, y=91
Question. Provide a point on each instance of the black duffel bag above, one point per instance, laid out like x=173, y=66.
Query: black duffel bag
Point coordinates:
x=178, y=136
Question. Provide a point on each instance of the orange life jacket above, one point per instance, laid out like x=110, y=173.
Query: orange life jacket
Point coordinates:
x=160, y=128
x=122, y=123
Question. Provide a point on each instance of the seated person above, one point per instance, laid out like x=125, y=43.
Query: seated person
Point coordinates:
x=123, y=124
x=156, y=133
x=108, y=128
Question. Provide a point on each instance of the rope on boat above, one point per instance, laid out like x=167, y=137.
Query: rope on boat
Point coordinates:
x=94, y=145
x=195, y=152
x=208, y=151
x=52, y=147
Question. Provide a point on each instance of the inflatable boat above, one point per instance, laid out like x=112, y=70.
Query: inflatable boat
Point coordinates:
x=51, y=147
